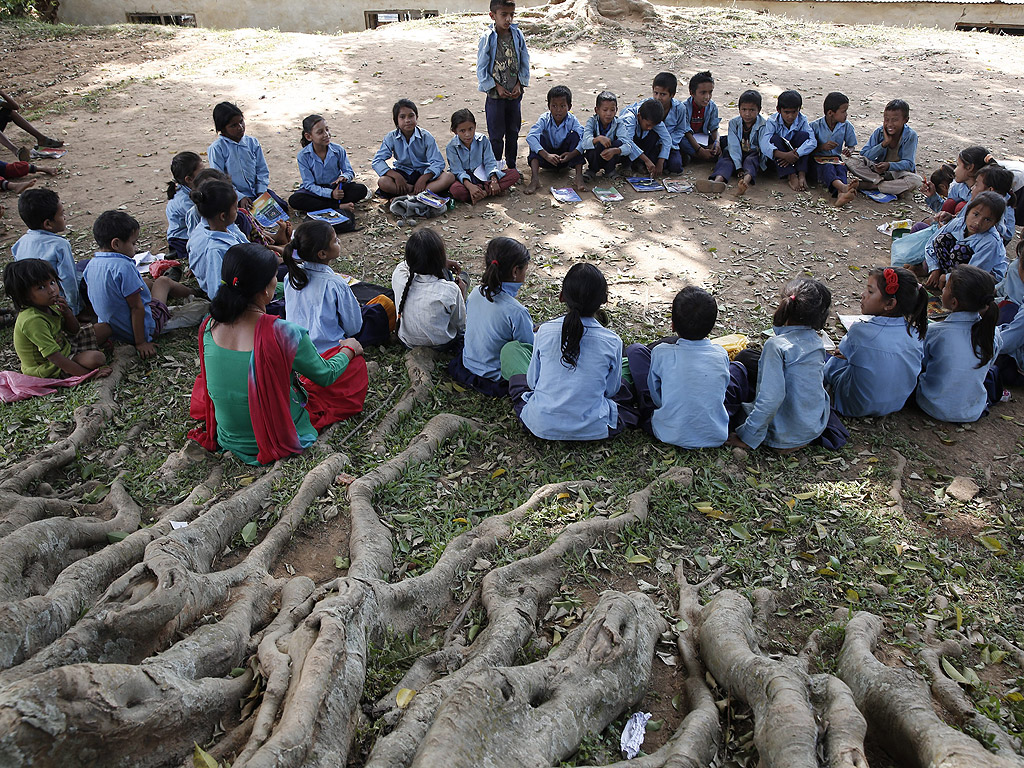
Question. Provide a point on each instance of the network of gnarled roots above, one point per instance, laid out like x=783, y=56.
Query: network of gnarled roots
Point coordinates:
x=109, y=654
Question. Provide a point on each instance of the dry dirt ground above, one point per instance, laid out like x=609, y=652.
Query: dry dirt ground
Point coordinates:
x=127, y=100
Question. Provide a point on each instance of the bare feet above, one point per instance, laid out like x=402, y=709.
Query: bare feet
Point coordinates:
x=743, y=186
x=17, y=187
x=47, y=171
x=802, y=179
x=533, y=186
x=845, y=197
x=794, y=182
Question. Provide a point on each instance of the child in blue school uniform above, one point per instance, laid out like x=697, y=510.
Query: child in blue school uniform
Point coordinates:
x=741, y=153
x=957, y=351
x=700, y=121
x=554, y=140
x=791, y=407
x=418, y=163
x=875, y=370
x=494, y=317
x=43, y=214
x=605, y=145
x=572, y=388
x=217, y=205
x=643, y=123
x=663, y=90
x=958, y=193
x=836, y=139
x=999, y=180
x=327, y=178
x=888, y=161
x=787, y=140
x=322, y=301
x=240, y=156
x=184, y=167
x=688, y=389
x=972, y=238
x=472, y=162
x=135, y=309
x=503, y=73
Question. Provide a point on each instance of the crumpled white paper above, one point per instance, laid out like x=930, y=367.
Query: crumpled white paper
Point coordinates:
x=633, y=734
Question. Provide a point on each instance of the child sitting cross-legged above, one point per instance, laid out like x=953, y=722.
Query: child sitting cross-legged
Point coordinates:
x=321, y=301
x=494, y=317
x=876, y=367
x=687, y=390
x=569, y=386
x=135, y=309
x=470, y=154
x=791, y=407
x=554, y=140
x=889, y=160
x=836, y=140
x=418, y=164
x=328, y=179
x=47, y=336
x=431, y=302
x=742, y=147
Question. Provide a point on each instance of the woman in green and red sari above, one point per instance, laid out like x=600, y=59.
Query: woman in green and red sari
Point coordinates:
x=263, y=391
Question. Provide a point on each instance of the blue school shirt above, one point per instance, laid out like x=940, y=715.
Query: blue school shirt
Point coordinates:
x=951, y=387
x=688, y=380
x=55, y=251
x=959, y=191
x=176, y=209
x=1007, y=226
x=244, y=162
x=318, y=175
x=843, y=135
x=776, y=125
x=1010, y=339
x=326, y=307
x=677, y=121
x=989, y=251
x=791, y=407
x=566, y=403
x=711, y=119
x=907, y=150
x=548, y=135
x=464, y=160
x=1011, y=286
x=417, y=154
x=112, y=278
x=487, y=50
x=613, y=131
x=734, y=141
x=206, y=248
x=631, y=129
x=880, y=370
x=490, y=325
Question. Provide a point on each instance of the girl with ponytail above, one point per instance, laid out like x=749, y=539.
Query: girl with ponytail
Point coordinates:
x=217, y=204
x=431, y=303
x=263, y=391
x=876, y=367
x=328, y=180
x=957, y=351
x=184, y=167
x=572, y=386
x=791, y=408
x=494, y=318
x=321, y=300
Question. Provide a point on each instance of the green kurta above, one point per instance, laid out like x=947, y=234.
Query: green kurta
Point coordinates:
x=227, y=381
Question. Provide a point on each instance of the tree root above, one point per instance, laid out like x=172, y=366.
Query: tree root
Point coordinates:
x=900, y=709
x=419, y=362
x=787, y=715
x=607, y=13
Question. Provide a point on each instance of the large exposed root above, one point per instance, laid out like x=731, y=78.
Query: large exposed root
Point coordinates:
x=601, y=12
x=899, y=707
x=419, y=362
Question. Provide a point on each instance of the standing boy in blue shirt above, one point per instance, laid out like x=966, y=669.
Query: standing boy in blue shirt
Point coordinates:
x=787, y=140
x=700, y=116
x=683, y=388
x=605, y=144
x=644, y=124
x=888, y=161
x=555, y=139
x=503, y=72
x=836, y=140
x=43, y=214
x=120, y=296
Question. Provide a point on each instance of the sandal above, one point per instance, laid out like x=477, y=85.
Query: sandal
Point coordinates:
x=24, y=155
x=48, y=143
x=709, y=187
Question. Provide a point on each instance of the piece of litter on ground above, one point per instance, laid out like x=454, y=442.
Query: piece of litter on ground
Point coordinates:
x=963, y=488
x=175, y=525
x=633, y=734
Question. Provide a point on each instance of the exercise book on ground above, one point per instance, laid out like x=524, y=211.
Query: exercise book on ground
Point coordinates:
x=433, y=200
x=607, y=194
x=644, y=184
x=565, y=195
x=329, y=215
